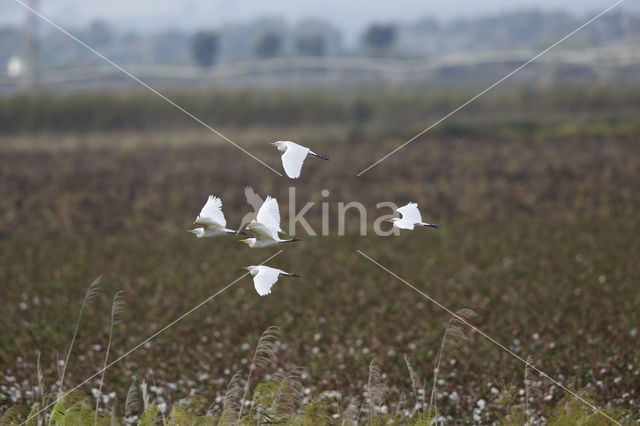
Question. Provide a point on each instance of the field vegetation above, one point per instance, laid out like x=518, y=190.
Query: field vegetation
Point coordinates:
x=538, y=191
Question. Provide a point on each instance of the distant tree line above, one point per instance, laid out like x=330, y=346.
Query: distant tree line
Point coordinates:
x=268, y=38
x=205, y=45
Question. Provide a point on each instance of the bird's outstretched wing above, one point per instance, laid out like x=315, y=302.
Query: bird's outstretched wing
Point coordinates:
x=265, y=279
x=293, y=158
x=211, y=214
x=410, y=214
x=262, y=232
x=269, y=214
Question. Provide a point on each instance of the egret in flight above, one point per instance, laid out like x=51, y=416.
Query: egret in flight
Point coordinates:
x=410, y=217
x=293, y=155
x=265, y=277
x=266, y=226
x=211, y=221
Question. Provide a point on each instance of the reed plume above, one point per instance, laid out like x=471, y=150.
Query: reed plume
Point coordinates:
x=133, y=403
x=231, y=404
x=375, y=386
x=40, y=387
x=532, y=391
x=146, y=399
x=91, y=293
x=456, y=332
x=117, y=308
x=418, y=388
x=291, y=392
x=351, y=414
x=265, y=354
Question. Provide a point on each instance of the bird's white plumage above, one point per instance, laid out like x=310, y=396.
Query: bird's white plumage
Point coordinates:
x=269, y=215
x=410, y=216
x=263, y=233
x=264, y=278
x=266, y=225
x=293, y=158
x=211, y=214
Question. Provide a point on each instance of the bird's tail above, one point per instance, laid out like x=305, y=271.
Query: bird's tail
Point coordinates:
x=324, y=157
x=291, y=240
x=432, y=225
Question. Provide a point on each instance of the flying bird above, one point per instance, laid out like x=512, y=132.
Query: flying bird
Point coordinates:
x=410, y=217
x=264, y=277
x=211, y=222
x=266, y=226
x=293, y=155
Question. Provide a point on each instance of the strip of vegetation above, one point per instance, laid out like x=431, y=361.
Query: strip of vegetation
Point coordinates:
x=521, y=108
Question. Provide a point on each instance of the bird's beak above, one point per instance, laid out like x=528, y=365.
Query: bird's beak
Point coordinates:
x=387, y=220
x=242, y=241
x=193, y=231
x=273, y=143
x=246, y=268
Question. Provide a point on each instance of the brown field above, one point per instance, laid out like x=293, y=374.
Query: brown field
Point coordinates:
x=539, y=238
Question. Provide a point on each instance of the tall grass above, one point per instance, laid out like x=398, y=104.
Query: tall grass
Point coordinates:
x=291, y=394
x=134, y=401
x=232, y=400
x=117, y=308
x=456, y=332
x=91, y=293
x=527, y=382
x=39, y=394
x=351, y=414
x=265, y=354
x=416, y=386
x=376, y=389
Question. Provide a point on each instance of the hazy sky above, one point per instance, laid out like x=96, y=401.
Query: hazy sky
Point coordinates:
x=350, y=15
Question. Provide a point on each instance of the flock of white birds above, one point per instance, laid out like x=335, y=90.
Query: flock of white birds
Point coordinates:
x=265, y=228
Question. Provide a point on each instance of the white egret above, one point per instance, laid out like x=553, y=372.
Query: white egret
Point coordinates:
x=264, y=277
x=266, y=226
x=211, y=221
x=293, y=155
x=410, y=217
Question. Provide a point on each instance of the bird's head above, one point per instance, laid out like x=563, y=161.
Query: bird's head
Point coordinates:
x=280, y=145
x=198, y=232
x=249, y=241
x=252, y=269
